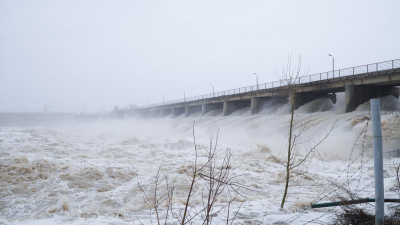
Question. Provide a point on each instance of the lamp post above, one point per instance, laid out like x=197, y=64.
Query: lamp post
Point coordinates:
x=163, y=99
x=256, y=79
x=148, y=104
x=212, y=89
x=333, y=64
x=184, y=97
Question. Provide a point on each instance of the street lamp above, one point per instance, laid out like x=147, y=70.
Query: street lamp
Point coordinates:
x=333, y=63
x=163, y=99
x=212, y=89
x=148, y=104
x=256, y=79
x=184, y=97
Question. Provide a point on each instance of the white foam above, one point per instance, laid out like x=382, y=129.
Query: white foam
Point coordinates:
x=88, y=173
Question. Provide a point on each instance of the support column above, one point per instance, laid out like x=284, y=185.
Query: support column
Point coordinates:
x=378, y=161
x=354, y=96
x=187, y=111
x=255, y=105
x=227, y=108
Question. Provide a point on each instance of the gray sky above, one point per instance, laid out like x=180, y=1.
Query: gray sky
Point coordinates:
x=104, y=53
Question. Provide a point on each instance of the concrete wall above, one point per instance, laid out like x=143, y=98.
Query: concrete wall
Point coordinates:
x=155, y=112
x=207, y=107
x=258, y=103
x=177, y=111
x=231, y=106
x=166, y=112
x=192, y=109
x=358, y=94
x=306, y=97
x=145, y=113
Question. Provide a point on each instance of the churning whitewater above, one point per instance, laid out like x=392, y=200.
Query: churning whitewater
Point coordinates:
x=89, y=172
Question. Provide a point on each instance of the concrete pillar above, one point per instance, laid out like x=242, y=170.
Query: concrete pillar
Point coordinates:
x=231, y=106
x=187, y=111
x=255, y=105
x=207, y=107
x=177, y=111
x=226, y=108
x=356, y=95
x=192, y=109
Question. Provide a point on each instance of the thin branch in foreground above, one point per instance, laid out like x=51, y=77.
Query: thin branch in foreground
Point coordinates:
x=211, y=174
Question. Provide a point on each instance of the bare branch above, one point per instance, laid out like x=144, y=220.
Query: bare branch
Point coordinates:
x=315, y=146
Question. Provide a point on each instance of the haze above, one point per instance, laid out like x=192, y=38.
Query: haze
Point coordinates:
x=101, y=54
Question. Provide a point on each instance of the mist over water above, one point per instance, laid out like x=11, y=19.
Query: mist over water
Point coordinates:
x=87, y=172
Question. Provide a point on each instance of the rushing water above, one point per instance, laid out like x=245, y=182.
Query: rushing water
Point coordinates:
x=88, y=172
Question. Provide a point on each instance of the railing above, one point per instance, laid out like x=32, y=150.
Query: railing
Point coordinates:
x=369, y=68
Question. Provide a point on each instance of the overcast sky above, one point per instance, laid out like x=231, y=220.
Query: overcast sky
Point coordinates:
x=65, y=54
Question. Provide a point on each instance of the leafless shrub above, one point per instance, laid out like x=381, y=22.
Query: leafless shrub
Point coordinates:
x=156, y=202
x=361, y=213
x=352, y=214
x=220, y=192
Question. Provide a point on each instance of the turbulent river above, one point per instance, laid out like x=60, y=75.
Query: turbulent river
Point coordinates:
x=92, y=172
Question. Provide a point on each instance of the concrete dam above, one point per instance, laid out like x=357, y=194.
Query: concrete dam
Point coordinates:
x=360, y=84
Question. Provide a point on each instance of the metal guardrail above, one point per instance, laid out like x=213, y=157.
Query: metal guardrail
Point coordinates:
x=369, y=68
